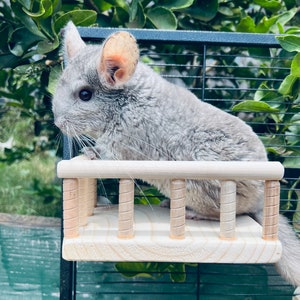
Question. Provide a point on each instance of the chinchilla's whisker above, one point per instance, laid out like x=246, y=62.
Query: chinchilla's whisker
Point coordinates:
x=70, y=143
x=58, y=141
x=146, y=157
x=142, y=193
x=129, y=176
x=160, y=150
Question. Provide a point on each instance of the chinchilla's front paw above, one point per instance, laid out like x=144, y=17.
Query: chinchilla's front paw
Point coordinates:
x=91, y=152
x=97, y=152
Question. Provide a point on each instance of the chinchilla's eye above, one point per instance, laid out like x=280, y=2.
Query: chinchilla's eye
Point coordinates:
x=85, y=94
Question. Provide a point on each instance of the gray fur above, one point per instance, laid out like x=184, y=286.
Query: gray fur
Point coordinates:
x=148, y=118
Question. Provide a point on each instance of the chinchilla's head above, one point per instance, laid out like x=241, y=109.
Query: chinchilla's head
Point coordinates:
x=92, y=88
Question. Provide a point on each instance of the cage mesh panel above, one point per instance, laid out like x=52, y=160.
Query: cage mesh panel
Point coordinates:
x=207, y=281
x=222, y=76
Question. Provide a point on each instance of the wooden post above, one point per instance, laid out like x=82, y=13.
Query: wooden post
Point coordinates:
x=70, y=207
x=227, y=210
x=271, y=210
x=126, y=208
x=177, y=212
x=82, y=201
x=92, y=195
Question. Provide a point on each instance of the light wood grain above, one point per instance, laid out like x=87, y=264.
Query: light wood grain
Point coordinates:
x=227, y=210
x=126, y=205
x=271, y=210
x=70, y=207
x=177, y=209
x=143, y=233
x=91, y=195
x=221, y=170
x=83, y=200
x=98, y=241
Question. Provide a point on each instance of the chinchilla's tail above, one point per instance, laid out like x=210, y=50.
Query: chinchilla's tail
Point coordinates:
x=289, y=264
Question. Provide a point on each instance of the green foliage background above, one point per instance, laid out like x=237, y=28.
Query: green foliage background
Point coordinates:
x=30, y=62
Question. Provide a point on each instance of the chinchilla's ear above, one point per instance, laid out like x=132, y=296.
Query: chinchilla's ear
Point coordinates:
x=72, y=41
x=118, y=58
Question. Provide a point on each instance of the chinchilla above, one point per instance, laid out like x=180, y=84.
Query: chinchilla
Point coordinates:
x=105, y=94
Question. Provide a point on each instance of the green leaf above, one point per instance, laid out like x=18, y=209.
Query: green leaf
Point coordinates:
x=289, y=43
x=295, y=66
x=265, y=95
x=21, y=40
x=25, y=19
x=286, y=16
x=120, y=16
x=246, y=24
x=226, y=11
x=289, y=3
x=147, y=200
x=292, y=30
x=118, y=3
x=133, y=10
x=153, y=270
x=177, y=272
x=175, y=4
x=280, y=28
x=287, y=85
x=254, y=106
x=45, y=10
x=46, y=46
x=202, y=10
x=102, y=5
x=79, y=18
x=139, y=19
x=271, y=5
x=8, y=60
x=162, y=18
x=265, y=24
x=133, y=269
x=291, y=162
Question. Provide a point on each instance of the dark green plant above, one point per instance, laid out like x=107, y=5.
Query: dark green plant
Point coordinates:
x=283, y=105
x=29, y=46
x=176, y=271
x=48, y=194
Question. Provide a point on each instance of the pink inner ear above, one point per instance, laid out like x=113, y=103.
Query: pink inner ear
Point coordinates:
x=119, y=58
x=114, y=68
x=120, y=74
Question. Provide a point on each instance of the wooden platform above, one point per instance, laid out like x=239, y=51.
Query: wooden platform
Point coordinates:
x=98, y=240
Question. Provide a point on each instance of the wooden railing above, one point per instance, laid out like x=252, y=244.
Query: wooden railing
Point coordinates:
x=79, y=191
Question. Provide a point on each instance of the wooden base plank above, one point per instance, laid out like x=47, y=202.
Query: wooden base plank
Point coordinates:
x=98, y=240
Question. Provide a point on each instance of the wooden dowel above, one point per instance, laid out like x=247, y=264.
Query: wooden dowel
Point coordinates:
x=177, y=212
x=83, y=201
x=70, y=207
x=271, y=210
x=220, y=170
x=126, y=208
x=92, y=195
x=227, y=210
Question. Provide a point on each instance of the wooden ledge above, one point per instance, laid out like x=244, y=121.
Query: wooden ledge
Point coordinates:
x=98, y=240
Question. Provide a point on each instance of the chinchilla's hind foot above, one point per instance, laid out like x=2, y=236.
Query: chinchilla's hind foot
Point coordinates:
x=192, y=215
